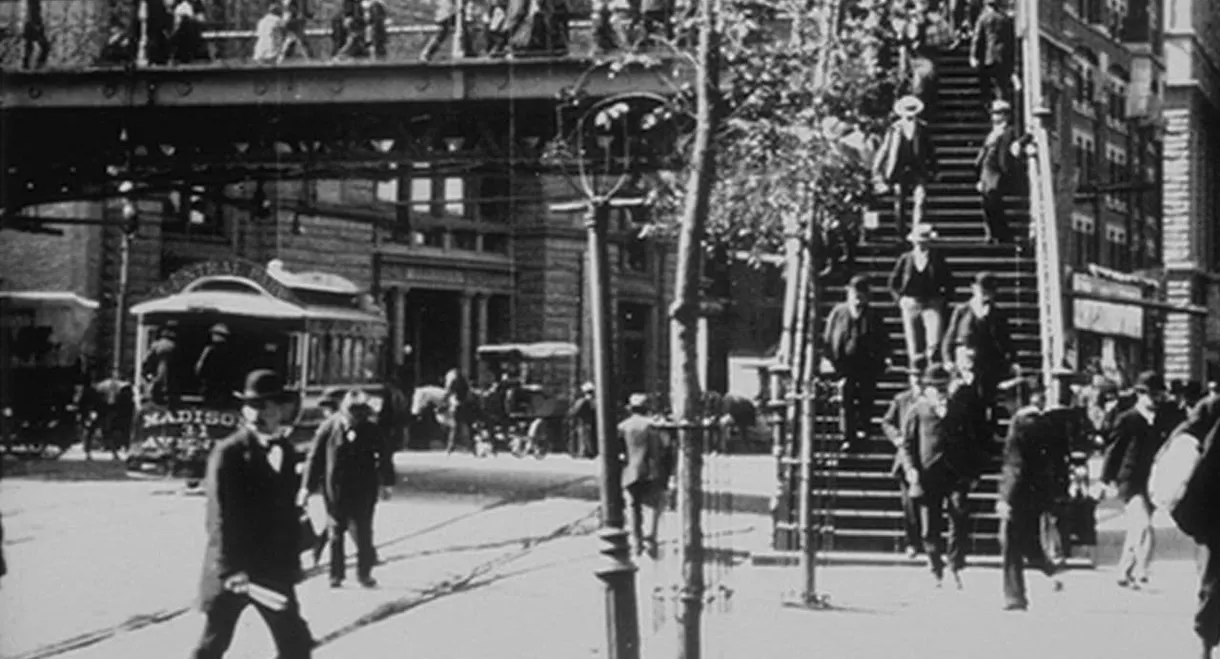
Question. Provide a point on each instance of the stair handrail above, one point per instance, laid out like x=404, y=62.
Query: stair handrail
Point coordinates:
x=1042, y=199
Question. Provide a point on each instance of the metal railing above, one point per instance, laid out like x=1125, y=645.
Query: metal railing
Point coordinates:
x=1042, y=199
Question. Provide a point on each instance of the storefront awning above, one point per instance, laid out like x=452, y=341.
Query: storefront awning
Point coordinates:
x=50, y=297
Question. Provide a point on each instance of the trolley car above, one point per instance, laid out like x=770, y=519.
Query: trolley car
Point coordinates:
x=316, y=329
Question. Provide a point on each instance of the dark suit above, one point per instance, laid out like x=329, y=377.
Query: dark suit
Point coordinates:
x=992, y=342
x=215, y=372
x=997, y=166
x=905, y=163
x=892, y=424
x=645, y=473
x=943, y=454
x=345, y=463
x=252, y=525
x=858, y=348
x=1026, y=486
x=995, y=47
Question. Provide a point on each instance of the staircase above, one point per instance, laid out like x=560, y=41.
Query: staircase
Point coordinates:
x=856, y=505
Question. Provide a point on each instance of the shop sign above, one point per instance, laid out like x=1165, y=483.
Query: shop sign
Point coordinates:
x=1108, y=318
x=1082, y=283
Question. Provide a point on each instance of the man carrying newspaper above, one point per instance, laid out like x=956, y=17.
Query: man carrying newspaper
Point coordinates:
x=253, y=527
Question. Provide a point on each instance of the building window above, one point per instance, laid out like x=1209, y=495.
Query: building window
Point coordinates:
x=194, y=211
x=440, y=212
x=1086, y=89
x=1084, y=242
x=1116, y=248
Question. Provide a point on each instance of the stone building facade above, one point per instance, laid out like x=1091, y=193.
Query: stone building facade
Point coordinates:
x=1191, y=195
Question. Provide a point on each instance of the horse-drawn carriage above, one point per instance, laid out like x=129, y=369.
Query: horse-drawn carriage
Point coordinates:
x=43, y=369
x=515, y=414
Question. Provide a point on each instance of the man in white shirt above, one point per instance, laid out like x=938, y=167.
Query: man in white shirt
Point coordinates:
x=269, y=42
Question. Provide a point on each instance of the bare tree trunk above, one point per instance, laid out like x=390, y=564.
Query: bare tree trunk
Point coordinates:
x=686, y=390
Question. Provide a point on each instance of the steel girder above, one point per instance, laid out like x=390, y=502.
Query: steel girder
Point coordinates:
x=163, y=127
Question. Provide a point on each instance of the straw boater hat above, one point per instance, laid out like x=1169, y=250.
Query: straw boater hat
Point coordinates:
x=219, y=329
x=908, y=106
x=588, y=388
x=1001, y=106
x=637, y=401
x=921, y=233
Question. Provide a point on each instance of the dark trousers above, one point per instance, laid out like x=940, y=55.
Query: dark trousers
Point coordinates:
x=938, y=502
x=966, y=14
x=444, y=28
x=289, y=631
x=35, y=35
x=856, y=406
x=1207, y=617
x=997, y=83
x=1021, y=545
x=911, y=527
x=995, y=221
x=359, y=518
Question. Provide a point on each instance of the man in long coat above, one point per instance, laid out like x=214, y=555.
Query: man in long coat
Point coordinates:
x=582, y=418
x=1026, y=491
x=993, y=52
x=159, y=367
x=347, y=460
x=997, y=166
x=253, y=526
x=857, y=345
x=940, y=451
x=906, y=161
x=1198, y=515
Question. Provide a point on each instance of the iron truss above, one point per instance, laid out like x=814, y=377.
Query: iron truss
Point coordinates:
x=77, y=135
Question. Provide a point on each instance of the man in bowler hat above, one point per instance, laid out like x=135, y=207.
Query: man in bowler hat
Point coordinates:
x=1026, y=491
x=253, y=525
x=941, y=456
x=980, y=325
x=347, y=460
x=857, y=345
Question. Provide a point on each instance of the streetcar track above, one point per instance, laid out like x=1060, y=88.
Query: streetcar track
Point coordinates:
x=143, y=621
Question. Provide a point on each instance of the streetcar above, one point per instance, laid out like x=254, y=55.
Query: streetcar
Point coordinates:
x=211, y=324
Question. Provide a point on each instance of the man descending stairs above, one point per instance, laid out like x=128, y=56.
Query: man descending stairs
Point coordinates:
x=856, y=498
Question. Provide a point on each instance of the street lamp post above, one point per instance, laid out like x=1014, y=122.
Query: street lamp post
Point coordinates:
x=616, y=572
x=611, y=138
x=131, y=223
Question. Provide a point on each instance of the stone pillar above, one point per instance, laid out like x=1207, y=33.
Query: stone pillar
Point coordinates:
x=465, y=329
x=398, y=325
